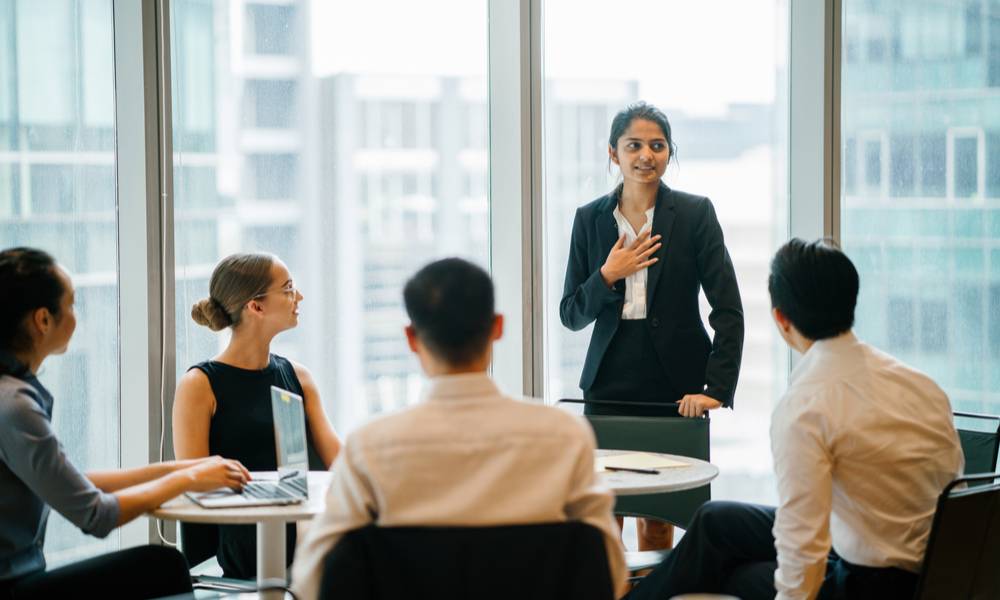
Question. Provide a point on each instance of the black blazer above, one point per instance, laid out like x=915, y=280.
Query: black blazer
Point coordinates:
x=693, y=255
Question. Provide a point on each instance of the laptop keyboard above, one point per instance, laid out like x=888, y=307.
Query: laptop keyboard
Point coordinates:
x=265, y=491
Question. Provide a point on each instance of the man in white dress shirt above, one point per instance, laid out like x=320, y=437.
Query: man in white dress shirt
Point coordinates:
x=862, y=446
x=466, y=454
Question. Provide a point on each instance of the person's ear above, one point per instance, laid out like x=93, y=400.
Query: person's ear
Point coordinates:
x=255, y=307
x=613, y=155
x=411, y=339
x=782, y=321
x=497, y=332
x=42, y=319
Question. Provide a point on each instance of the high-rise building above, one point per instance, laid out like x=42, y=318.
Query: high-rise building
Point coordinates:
x=921, y=186
x=403, y=181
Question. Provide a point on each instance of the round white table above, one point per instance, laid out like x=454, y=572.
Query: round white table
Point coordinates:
x=672, y=479
x=270, y=521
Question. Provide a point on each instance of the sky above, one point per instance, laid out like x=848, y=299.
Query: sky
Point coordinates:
x=695, y=56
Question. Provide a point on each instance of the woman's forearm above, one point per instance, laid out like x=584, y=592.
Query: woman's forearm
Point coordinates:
x=139, y=499
x=112, y=481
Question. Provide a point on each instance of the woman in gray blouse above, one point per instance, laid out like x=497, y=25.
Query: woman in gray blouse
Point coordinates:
x=36, y=321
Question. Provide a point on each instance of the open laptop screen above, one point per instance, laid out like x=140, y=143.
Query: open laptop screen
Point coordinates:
x=290, y=436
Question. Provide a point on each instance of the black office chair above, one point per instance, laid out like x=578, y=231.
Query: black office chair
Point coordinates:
x=963, y=550
x=669, y=435
x=547, y=561
x=980, y=439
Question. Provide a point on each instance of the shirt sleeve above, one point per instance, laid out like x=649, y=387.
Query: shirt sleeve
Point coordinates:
x=590, y=502
x=803, y=466
x=350, y=504
x=30, y=449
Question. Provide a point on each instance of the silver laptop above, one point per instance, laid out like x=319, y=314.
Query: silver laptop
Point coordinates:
x=292, y=485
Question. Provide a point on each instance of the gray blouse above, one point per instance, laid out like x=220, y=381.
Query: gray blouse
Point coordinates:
x=35, y=473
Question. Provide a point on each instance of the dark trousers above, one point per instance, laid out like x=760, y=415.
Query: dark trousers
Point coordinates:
x=237, y=552
x=630, y=371
x=143, y=572
x=729, y=549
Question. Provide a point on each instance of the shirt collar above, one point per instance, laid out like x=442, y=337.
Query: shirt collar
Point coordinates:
x=821, y=350
x=15, y=368
x=457, y=387
x=620, y=218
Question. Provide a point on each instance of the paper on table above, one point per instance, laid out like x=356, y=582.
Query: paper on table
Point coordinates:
x=637, y=460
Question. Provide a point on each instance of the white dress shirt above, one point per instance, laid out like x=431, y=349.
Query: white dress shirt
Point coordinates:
x=635, y=284
x=863, y=446
x=465, y=455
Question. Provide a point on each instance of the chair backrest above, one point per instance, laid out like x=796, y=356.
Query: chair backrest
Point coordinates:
x=669, y=435
x=963, y=550
x=552, y=560
x=980, y=439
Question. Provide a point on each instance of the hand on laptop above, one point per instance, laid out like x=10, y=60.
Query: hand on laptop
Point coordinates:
x=216, y=472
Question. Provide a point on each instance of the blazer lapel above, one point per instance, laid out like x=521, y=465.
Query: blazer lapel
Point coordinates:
x=607, y=228
x=663, y=223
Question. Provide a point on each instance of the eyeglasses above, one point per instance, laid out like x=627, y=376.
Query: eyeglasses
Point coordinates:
x=288, y=290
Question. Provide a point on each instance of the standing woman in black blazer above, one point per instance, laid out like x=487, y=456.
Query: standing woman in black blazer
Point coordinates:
x=637, y=258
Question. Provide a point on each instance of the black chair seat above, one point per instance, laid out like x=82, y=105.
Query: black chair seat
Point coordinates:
x=543, y=562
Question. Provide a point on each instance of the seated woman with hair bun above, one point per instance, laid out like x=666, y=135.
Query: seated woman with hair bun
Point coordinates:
x=223, y=405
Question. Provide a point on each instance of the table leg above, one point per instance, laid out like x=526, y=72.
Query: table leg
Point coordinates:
x=271, y=555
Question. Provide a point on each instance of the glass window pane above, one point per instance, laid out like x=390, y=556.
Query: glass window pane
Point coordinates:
x=965, y=166
x=924, y=246
x=57, y=193
x=302, y=130
x=728, y=115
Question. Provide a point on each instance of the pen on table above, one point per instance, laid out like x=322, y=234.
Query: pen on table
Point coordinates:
x=632, y=470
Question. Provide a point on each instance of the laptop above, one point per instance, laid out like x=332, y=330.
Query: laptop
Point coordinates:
x=292, y=485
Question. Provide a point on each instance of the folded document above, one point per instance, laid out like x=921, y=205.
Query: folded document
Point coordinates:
x=637, y=460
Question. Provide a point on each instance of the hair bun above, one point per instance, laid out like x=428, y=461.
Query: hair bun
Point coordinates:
x=211, y=314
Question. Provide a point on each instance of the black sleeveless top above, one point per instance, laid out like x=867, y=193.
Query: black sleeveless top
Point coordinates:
x=242, y=427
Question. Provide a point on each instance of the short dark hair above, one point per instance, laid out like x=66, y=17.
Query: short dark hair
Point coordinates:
x=450, y=304
x=28, y=281
x=815, y=285
x=647, y=112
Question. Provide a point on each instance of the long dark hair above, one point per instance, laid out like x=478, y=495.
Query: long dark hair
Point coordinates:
x=647, y=112
x=28, y=281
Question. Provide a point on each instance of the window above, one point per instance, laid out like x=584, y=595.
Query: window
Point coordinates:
x=900, y=324
x=933, y=147
x=871, y=163
x=901, y=166
x=270, y=104
x=932, y=310
x=340, y=185
x=57, y=193
x=724, y=126
x=274, y=176
x=963, y=165
x=269, y=28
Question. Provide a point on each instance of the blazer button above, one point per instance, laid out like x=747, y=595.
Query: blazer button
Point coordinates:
x=654, y=322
